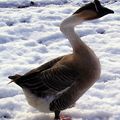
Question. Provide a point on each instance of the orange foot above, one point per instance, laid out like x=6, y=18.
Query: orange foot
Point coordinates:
x=65, y=117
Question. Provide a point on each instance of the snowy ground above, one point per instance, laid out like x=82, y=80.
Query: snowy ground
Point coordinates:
x=31, y=36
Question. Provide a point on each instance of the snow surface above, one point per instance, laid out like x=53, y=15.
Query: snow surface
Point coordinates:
x=16, y=3
x=30, y=37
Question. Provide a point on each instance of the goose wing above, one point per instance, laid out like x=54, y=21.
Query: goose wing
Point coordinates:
x=55, y=78
x=58, y=78
x=31, y=79
x=48, y=77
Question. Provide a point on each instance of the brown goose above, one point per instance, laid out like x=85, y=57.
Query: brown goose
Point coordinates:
x=58, y=84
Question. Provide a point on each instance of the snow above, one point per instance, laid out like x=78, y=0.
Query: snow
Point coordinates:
x=17, y=3
x=30, y=37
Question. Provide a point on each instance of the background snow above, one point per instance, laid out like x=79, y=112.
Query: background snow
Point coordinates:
x=16, y=3
x=30, y=37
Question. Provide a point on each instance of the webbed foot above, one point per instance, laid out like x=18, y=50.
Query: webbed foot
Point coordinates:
x=65, y=117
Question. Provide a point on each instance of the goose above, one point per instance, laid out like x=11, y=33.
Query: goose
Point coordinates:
x=59, y=83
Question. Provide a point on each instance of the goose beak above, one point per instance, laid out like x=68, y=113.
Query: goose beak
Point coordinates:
x=109, y=11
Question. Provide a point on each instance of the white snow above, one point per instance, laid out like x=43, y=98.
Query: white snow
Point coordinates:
x=30, y=37
x=16, y=3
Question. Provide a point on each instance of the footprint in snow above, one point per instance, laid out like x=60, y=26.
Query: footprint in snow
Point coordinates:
x=100, y=31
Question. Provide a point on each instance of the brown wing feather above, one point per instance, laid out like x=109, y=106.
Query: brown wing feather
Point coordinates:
x=48, y=78
x=49, y=81
x=31, y=80
x=59, y=78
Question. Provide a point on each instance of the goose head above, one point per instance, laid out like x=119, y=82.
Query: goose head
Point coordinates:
x=92, y=10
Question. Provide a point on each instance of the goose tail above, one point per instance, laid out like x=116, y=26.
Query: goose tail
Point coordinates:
x=14, y=78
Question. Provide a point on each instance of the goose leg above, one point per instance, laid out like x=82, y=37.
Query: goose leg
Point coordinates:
x=57, y=115
x=61, y=117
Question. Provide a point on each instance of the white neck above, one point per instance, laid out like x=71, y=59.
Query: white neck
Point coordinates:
x=67, y=28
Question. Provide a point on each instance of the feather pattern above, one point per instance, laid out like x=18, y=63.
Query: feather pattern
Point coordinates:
x=48, y=79
x=58, y=78
x=53, y=80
